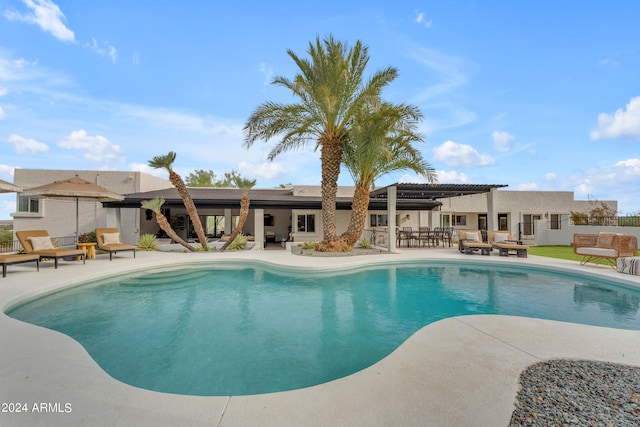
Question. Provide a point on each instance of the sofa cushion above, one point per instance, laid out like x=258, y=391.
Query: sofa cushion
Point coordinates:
x=603, y=252
x=605, y=239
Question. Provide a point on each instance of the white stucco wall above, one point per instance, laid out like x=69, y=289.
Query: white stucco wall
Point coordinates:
x=58, y=215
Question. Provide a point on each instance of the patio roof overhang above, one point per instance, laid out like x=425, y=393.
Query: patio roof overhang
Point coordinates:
x=433, y=191
x=229, y=198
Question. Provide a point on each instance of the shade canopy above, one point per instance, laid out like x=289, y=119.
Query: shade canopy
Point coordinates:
x=7, y=187
x=76, y=188
x=73, y=187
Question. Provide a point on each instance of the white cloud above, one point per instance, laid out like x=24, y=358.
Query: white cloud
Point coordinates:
x=24, y=145
x=550, y=176
x=444, y=177
x=266, y=170
x=420, y=19
x=47, y=15
x=94, y=148
x=528, y=186
x=622, y=123
x=3, y=91
x=6, y=171
x=502, y=140
x=3, y=114
x=267, y=71
x=145, y=168
x=103, y=49
x=455, y=154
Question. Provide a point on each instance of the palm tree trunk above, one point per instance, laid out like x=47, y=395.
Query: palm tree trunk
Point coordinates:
x=244, y=213
x=166, y=227
x=331, y=158
x=359, y=209
x=177, y=182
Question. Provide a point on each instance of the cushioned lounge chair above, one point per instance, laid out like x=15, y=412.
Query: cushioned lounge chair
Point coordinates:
x=470, y=241
x=109, y=241
x=502, y=241
x=38, y=242
x=7, y=260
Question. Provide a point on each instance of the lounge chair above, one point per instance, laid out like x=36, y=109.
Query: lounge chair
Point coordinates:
x=7, y=260
x=109, y=241
x=502, y=241
x=38, y=242
x=470, y=241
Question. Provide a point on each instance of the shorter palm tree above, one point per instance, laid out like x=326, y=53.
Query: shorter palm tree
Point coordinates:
x=166, y=162
x=245, y=185
x=380, y=142
x=155, y=205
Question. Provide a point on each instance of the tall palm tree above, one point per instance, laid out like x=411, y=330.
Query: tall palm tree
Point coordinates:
x=380, y=142
x=330, y=88
x=155, y=205
x=245, y=185
x=166, y=162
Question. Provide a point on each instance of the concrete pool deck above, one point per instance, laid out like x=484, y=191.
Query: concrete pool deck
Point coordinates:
x=458, y=371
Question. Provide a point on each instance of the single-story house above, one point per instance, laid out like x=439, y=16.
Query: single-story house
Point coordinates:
x=291, y=213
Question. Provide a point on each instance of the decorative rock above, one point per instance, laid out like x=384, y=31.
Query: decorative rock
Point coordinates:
x=578, y=392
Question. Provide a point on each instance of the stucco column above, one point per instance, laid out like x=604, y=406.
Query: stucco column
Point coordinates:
x=391, y=213
x=492, y=214
x=228, y=226
x=258, y=227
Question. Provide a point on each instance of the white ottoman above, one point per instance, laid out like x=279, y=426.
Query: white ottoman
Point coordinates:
x=629, y=265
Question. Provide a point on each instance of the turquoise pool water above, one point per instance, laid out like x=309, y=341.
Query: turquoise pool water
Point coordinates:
x=240, y=330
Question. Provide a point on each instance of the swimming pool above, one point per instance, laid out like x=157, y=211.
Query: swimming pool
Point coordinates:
x=238, y=330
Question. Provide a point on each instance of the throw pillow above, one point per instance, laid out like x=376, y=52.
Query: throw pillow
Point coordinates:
x=500, y=237
x=42, y=243
x=111, y=238
x=473, y=236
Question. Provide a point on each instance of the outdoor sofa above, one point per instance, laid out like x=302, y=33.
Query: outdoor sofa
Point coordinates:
x=605, y=246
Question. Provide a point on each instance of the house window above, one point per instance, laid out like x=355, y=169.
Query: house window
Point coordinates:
x=459, y=220
x=379, y=220
x=529, y=226
x=446, y=220
x=306, y=223
x=554, y=223
x=503, y=222
x=28, y=204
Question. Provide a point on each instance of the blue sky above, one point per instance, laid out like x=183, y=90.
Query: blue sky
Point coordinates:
x=533, y=94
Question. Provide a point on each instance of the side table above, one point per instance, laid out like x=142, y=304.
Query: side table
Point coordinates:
x=90, y=248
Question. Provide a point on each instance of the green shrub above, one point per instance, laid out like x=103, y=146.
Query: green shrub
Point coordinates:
x=148, y=242
x=309, y=245
x=6, y=236
x=239, y=242
x=365, y=244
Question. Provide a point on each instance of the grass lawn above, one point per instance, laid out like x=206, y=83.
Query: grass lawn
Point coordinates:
x=562, y=252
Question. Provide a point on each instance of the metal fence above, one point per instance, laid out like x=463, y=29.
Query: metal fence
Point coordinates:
x=620, y=221
x=15, y=246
